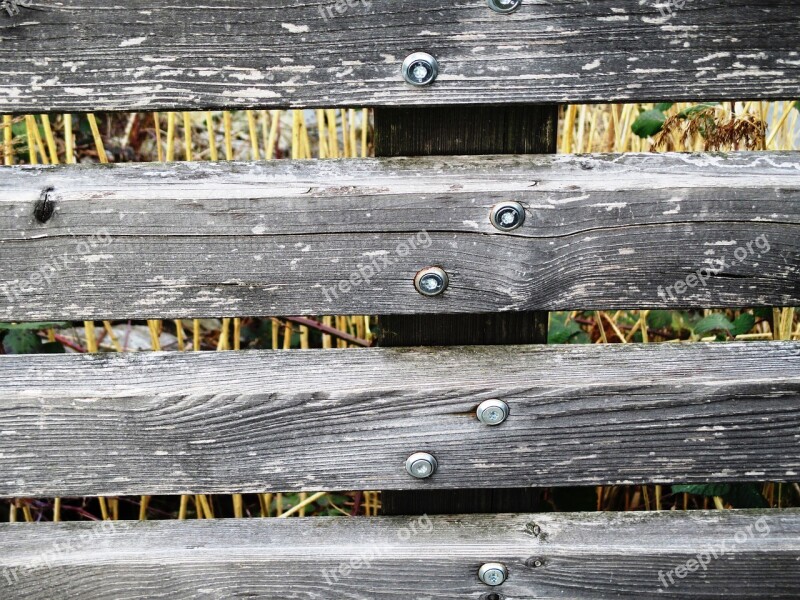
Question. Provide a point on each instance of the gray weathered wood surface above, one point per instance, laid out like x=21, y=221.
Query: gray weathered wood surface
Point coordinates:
x=196, y=240
x=86, y=55
x=347, y=419
x=589, y=555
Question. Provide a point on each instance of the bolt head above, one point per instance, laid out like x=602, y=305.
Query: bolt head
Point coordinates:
x=493, y=574
x=492, y=412
x=431, y=281
x=504, y=6
x=507, y=216
x=421, y=465
x=420, y=69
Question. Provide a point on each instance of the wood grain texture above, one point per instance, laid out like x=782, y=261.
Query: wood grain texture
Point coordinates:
x=92, y=55
x=347, y=419
x=199, y=240
x=582, y=556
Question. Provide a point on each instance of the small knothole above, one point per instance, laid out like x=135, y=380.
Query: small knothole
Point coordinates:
x=45, y=206
x=492, y=596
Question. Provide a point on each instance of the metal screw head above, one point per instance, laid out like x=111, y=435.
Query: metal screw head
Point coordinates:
x=431, y=281
x=421, y=465
x=420, y=68
x=492, y=412
x=504, y=6
x=493, y=573
x=507, y=216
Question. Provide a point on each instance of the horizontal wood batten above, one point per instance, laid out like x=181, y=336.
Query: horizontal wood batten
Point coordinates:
x=89, y=55
x=348, y=419
x=588, y=555
x=236, y=239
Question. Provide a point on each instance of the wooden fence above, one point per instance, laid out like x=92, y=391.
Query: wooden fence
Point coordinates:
x=599, y=232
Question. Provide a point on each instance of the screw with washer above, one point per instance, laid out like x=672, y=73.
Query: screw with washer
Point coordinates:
x=421, y=465
x=492, y=412
x=507, y=216
x=431, y=281
x=420, y=68
x=493, y=573
x=504, y=6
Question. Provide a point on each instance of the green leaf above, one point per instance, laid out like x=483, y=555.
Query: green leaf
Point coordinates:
x=764, y=313
x=32, y=326
x=659, y=319
x=688, y=112
x=561, y=334
x=797, y=105
x=649, y=123
x=715, y=322
x=703, y=489
x=664, y=106
x=53, y=348
x=745, y=495
x=580, y=338
x=22, y=342
x=743, y=324
x=738, y=495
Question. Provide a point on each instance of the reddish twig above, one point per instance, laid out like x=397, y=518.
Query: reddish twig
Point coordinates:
x=69, y=343
x=338, y=333
x=359, y=496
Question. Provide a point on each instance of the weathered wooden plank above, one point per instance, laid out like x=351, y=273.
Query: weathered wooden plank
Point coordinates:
x=84, y=55
x=195, y=240
x=589, y=555
x=348, y=419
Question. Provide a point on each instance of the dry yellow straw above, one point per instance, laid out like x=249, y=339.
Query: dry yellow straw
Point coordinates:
x=51, y=141
x=364, y=133
x=238, y=506
x=273, y=134
x=299, y=507
x=333, y=134
x=30, y=127
x=8, y=140
x=187, y=133
x=69, y=140
x=98, y=141
x=345, y=134
x=112, y=336
x=206, y=506
x=781, y=122
x=224, y=333
x=228, y=126
x=103, y=508
x=159, y=149
x=251, y=123
x=353, y=137
x=180, y=334
x=184, y=507
x=212, y=137
x=170, y=136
